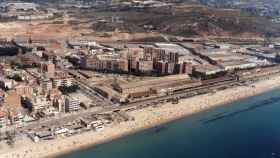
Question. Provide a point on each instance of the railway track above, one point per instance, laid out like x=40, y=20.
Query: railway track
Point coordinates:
x=185, y=93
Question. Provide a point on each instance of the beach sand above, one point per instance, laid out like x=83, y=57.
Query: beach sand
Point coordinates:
x=144, y=118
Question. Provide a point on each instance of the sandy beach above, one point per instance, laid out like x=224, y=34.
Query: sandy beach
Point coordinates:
x=144, y=118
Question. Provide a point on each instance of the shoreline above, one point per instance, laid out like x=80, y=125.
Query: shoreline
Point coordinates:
x=144, y=118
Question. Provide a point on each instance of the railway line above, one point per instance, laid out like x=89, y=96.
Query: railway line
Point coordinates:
x=206, y=87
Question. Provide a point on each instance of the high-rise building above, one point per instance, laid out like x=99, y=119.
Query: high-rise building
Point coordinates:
x=170, y=68
x=12, y=99
x=72, y=104
x=59, y=103
x=145, y=66
x=40, y=103
x=62, y=79
x=49, y=69
x=3, y=117
x=161, y=67
x=46, y=85
x=24, y=90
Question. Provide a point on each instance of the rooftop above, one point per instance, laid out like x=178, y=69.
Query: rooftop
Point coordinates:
x=233, y=63
x=208, y=69
x=154, y=82
x=21, y=5
x=173, y=48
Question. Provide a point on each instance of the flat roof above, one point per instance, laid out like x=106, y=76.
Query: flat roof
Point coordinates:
x=154, y=82
x=233, y=63
x=226, y=57
x=173, y=47
x=208, y=69
x=126, y=45
x=80, y=96
x=214, y=51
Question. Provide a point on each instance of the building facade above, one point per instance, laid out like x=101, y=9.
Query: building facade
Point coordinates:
x=72, y=104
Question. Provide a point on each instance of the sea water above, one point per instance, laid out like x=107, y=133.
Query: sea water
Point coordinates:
x=248, y=128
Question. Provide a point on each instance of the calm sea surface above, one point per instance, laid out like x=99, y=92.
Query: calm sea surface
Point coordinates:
x=249, y=128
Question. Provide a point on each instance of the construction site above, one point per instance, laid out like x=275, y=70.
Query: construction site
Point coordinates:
x=116, y=21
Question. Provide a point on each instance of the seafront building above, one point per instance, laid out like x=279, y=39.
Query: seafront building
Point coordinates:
x=93, y=77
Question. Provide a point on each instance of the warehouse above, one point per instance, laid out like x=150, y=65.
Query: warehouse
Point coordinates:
x=156, y=86
x=204, y=72
x=237, y=65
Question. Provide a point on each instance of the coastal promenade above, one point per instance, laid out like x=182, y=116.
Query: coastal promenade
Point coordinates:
x=144, y=118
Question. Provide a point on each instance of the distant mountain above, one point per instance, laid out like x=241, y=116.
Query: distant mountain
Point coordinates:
x=269, y=8
x=193, y=20
x=245, y=18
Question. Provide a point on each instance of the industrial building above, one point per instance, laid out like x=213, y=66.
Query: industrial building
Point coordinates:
x=205, y=72
x=237, y=65
x=20, y=6
x=158, y=86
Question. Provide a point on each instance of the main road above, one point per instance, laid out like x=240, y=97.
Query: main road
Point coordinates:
x=65, y=118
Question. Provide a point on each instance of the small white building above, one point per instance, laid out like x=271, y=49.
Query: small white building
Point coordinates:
x=61, y=131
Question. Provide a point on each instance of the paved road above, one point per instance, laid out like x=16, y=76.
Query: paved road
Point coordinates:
x=65, y=118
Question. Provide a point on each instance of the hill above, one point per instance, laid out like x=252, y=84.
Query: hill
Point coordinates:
x=189, y=21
